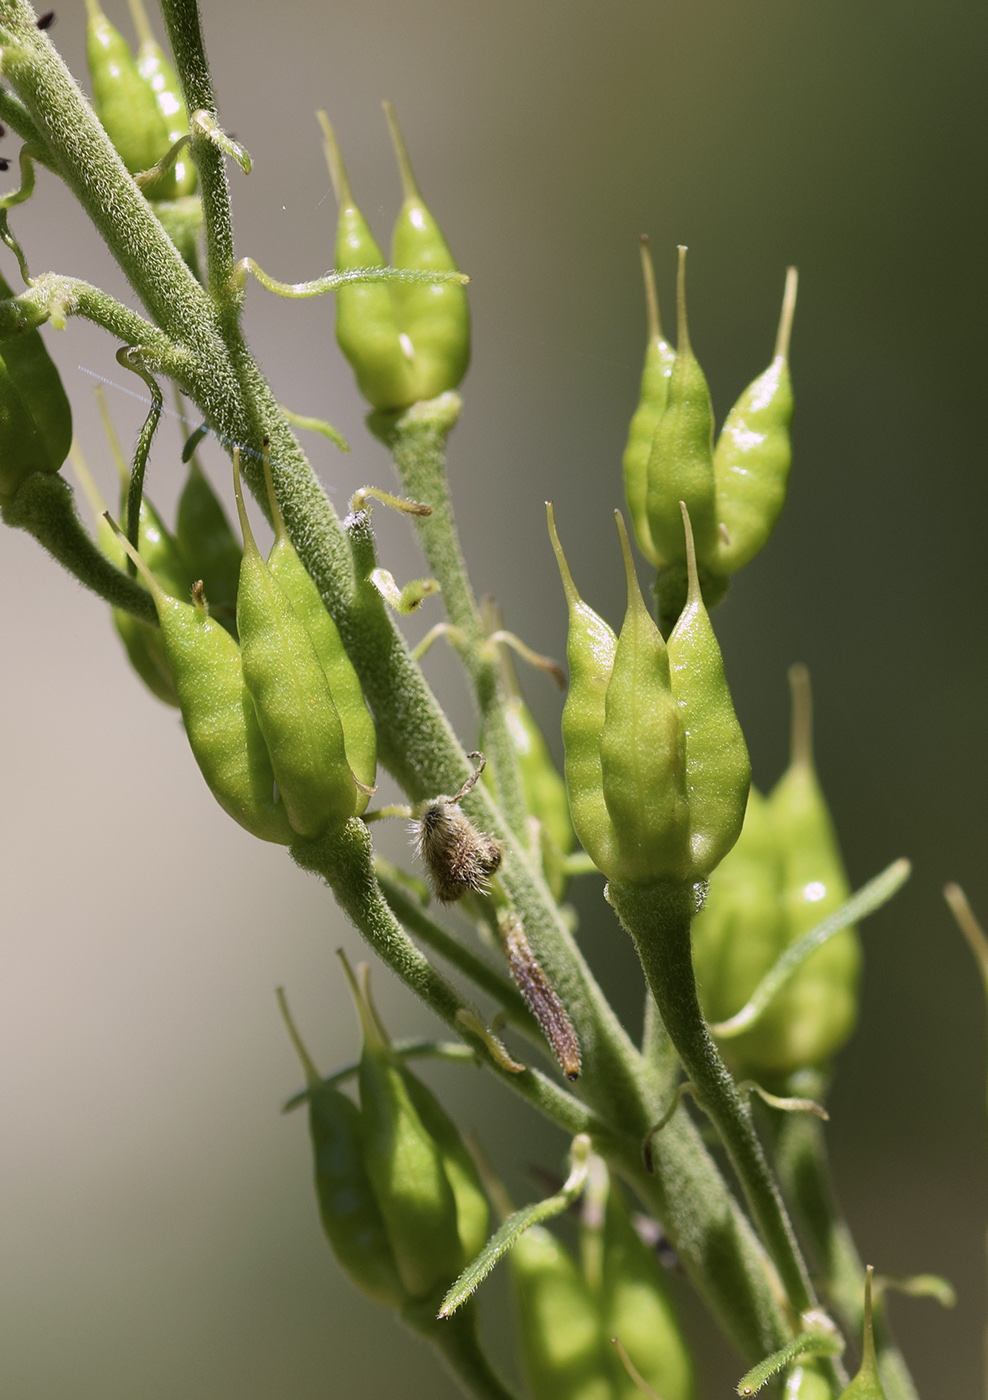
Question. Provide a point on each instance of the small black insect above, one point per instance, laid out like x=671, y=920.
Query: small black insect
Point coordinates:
x=459, y=859
x=4, y=163
x=46, y=20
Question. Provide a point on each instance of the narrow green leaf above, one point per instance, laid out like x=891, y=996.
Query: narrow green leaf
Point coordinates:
x=919, y=1286
x=516, y=1225
x=806, y=1344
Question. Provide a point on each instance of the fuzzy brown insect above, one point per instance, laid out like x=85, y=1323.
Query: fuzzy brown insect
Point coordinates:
x=459, y=859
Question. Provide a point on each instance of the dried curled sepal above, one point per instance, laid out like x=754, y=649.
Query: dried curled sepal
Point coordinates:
x=541, y=996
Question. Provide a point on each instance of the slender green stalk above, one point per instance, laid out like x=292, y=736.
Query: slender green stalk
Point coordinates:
x=658, y=918
x=417, y=441
x=344, y=859
x=185, y=36
x=45, y=507
x=55, y=296
x=801, y=1156
x=458, y=1344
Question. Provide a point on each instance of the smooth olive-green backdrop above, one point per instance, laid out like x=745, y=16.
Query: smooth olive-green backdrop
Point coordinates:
x=159, y=1234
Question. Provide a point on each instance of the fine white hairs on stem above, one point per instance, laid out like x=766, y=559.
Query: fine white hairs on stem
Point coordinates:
x=459, y=859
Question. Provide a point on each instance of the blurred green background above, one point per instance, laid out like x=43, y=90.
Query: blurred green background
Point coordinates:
x=159, y=1231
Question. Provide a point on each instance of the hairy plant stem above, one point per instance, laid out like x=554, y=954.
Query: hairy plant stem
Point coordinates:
x=344, y=858
x=215, y=369
x=414, y=918
x=658, y=917
x=801, y=1158
x=457, y=1341
x=185, y=36
x=417, y=441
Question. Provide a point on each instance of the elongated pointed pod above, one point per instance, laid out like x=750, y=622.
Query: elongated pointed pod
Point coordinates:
x=359, y=734
x=643, y=747
x=291, y=695
x=366, y=325
x=351, y=1217
x=590, y=649
x=754, y=454
x=820, y=1005
x=35, y=417
x=652, y=395
x=718, y=772
x=218, y=712
x=434, y=318
x=680, y=465
x=403, y=1162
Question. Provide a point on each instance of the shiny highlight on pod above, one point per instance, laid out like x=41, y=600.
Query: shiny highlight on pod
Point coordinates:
x=656, y=767
x=278, y=725
x=138, y=100
x=734, y=491
x=784, y=876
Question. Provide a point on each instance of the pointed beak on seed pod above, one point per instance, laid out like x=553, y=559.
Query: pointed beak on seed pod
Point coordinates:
x=734, y=492
x=656, y=765
x=405, y=342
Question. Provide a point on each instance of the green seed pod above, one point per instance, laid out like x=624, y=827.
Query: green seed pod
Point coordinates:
x=741, y=931
x=359, y=734
x=161, y=78
x=659, y=360
x=818, y=1006
x=366, y=326
x=219, y=716
x=867, y=1384
x=472, y=1211
x=718, y=773
x=806, y=1382
x=637, y=1311
x=560, y=1328
x=35, y=417
x=680, y=466
x=659, y=771
x=210, y=548
x=144, y=643
x=351, y=1219
x=643, y=749
x=590, y=649
x=754, y=454
x=291, y=695
x=435, y=319
x=404, y=1165
x=125, y=103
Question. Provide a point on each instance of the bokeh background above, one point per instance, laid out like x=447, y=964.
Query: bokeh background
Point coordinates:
x=159, y=1233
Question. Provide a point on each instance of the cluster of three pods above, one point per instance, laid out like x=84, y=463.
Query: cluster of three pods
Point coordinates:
x=734, y=491
x=278, y=724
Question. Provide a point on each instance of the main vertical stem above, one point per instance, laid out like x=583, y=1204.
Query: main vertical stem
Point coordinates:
x=658, y=918
x=802, y=1164
x=417, y=441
